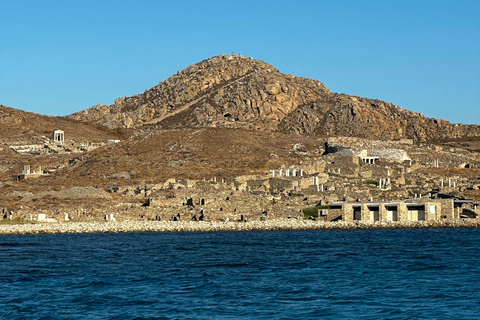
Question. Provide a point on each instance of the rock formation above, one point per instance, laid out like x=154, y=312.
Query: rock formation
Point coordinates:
x=238, y=92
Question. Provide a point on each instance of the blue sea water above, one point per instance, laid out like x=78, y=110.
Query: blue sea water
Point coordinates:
x=329, y=274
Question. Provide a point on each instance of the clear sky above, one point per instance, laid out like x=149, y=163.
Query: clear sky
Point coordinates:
x=59, y=57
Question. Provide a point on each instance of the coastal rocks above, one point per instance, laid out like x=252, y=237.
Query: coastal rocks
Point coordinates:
x=202, y=226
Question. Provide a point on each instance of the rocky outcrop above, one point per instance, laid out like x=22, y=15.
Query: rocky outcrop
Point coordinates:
x=344, y=115
x=223, y=89
x=239, y=92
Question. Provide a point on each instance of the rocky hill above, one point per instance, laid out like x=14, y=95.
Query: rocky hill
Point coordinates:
x=233, y=91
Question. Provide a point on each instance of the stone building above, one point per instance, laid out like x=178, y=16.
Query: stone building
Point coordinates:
x=59, y=136
x=430, y=209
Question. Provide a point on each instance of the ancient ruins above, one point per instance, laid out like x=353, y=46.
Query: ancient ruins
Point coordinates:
x=233, y=139
x=351, y=179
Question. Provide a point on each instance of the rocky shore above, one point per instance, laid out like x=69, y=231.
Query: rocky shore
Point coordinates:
x=191, y=226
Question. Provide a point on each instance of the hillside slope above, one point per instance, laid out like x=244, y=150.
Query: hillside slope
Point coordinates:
x=21, y=128
x=18, y=126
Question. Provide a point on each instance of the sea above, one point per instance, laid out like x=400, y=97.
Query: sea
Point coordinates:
x=315, y=274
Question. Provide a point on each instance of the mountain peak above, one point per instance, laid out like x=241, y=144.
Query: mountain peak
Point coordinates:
x=234, y=91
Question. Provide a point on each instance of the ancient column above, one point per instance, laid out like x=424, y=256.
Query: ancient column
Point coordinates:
x=402, y=212
x=365, y=214
x=347, y=214
x=382, y=212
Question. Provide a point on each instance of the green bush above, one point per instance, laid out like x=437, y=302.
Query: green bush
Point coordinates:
x=312, y=211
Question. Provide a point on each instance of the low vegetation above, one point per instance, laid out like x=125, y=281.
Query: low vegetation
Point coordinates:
x=312, y=212
x=14, y=221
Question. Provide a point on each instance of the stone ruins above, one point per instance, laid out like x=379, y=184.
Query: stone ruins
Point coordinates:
x=354, y=179
x=56, y=144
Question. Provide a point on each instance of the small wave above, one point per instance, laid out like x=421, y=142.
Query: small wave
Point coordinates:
x=19, y=244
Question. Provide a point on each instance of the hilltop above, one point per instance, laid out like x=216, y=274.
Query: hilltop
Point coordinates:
x=233, y=91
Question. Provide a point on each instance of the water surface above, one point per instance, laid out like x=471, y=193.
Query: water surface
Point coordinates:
x=334, y=274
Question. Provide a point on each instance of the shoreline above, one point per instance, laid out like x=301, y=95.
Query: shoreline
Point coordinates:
x=192, y=226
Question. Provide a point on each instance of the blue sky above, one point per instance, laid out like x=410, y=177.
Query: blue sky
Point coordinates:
x=59, y=57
